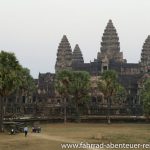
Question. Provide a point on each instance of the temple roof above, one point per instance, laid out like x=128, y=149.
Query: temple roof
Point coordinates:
x=110, y=39
x=64, y=55
x=110, y=45
x=77, y=55
x=145, y=55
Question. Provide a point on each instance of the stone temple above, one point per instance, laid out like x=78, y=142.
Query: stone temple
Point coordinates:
x=45, y=102
x=64, y=55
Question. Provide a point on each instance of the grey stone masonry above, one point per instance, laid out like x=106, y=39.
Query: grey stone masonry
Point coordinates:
x=145, y=56
x=64, y=55
x=110, y=45
x=77, y=55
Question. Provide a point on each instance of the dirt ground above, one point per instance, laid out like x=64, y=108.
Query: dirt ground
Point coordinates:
x=53, y=135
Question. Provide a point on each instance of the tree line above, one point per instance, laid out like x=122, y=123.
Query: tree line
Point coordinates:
x=70, y=85
x=13, y=77
x=76, y=85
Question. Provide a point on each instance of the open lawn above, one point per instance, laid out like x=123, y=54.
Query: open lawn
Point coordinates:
x=53, y=135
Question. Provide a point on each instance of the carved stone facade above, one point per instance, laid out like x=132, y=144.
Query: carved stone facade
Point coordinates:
x=64, y=55
x=77, y=55
x=46, y=102
x=145, y=56
x=110, y=45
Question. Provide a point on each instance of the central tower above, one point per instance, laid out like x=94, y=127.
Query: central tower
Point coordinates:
x=145, y=56
x=64, y=55
x=110, y=45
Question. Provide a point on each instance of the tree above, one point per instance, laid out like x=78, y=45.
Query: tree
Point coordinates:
x=108, y=84
x=80, y=85
x=12, y=77
x=121, y=94
x=27, y=82
x=62, y=85
x=73, y=85
x=145, y=95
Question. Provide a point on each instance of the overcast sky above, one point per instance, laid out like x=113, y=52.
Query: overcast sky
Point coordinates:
x=32, y=29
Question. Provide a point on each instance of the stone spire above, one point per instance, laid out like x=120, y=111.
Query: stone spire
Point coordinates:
x=145, y=56
x=110, y=45
x=64, y=55
x=77, y=55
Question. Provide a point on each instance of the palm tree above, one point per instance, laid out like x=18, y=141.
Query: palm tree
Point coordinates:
x=80, y=89
x=108, y=84
x=62, y=85
x=145, y=95
x=74, y=85
x=12, y=77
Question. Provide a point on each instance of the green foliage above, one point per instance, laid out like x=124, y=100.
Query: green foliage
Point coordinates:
x=63, y=82
x=109, y=75
x=73, y=85
x=80, y=86
x=108, y=84
x=9, y=69
x=62, y=85
x=145, y=96
x=27, y=81
x=12, y=74
x=121, y=90
x=121, y=93
x=12, y=77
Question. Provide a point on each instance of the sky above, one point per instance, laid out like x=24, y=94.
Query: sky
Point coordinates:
x=33, y=29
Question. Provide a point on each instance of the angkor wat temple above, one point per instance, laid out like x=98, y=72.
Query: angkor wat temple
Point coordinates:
x=45, y=101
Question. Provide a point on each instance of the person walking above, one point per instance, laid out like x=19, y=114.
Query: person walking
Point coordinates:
x=25, y=131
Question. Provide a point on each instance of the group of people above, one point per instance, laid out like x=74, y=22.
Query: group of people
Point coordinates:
x=25, y=130
x=36, y=129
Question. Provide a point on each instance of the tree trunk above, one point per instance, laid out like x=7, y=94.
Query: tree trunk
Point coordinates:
x=65, y=111
x=1, y=114
x=108, y=110
x=78, y=114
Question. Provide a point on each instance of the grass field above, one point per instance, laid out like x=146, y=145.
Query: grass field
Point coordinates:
x=53, y=135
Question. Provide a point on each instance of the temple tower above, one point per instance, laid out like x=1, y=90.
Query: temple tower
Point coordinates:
x=145, y=56
x=110, y=45
x=77, y=57
x=64, y=55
